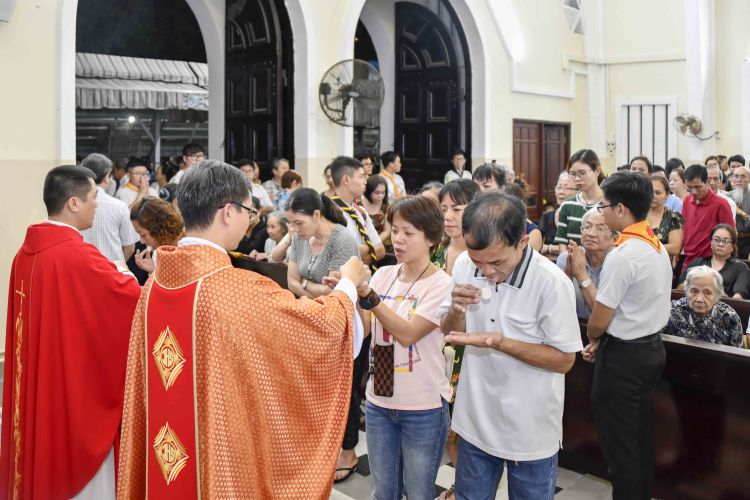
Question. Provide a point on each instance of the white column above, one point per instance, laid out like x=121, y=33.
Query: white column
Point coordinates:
x=745, y=114
x=593, y=11
x=700, y=23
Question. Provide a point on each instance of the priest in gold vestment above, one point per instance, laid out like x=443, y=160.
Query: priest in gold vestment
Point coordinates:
x=234, y=388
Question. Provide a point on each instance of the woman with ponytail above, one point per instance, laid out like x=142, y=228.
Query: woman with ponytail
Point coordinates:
x=320, y=244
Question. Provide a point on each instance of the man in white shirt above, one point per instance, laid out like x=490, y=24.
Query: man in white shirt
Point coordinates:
x=391, y=166
x=350, y=182
x=714, y=182
x=138, y=185
x=192, y=155
x=112, y=232
x=632, y=306
x=118, y=178
x=247, y=167
x=515, y=312
x=457, y=171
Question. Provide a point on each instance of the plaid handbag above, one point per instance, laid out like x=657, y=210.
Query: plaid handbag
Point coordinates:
x=381, y=369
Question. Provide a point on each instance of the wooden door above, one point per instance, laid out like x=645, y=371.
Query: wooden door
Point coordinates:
x=427, y=107
x=259, y=107
x=540, y=153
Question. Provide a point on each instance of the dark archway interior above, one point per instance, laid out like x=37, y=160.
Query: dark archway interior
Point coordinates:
x=163, y=29
x=366, y=140
x=363, y=47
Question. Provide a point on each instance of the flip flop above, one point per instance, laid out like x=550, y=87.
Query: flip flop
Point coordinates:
x=350, y=471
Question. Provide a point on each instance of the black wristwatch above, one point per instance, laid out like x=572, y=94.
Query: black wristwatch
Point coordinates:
x=371, y=300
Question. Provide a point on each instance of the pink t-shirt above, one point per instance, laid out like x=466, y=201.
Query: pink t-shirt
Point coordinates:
x=421, y=384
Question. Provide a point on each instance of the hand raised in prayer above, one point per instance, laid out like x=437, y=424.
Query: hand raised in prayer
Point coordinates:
x=492, y=340
x=144, y=260
x=463, y=296
x=577, y=262
x=355, y=271
x=589, y=352
x=143, y=188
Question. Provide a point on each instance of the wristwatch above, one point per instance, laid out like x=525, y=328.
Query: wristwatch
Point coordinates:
x=369, y=301
x=304, y=284
x=584, y=284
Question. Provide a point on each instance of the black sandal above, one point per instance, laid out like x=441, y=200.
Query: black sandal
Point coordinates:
x=350, y=471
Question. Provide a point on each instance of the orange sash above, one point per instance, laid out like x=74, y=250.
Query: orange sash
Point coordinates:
x=172, y=427
x=641, y=230
x=392, y=178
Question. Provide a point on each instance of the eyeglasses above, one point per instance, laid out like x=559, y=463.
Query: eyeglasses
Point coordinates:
x=197, y=156
x=722, y=241
x=579, y=175
x=736, y=176
x=601, y=208
x=594, y=229
x=563, y=188
x=251, y=211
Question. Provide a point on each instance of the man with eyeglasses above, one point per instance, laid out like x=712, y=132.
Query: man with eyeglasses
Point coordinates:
x=138, y=185
x=192, y=155
x=632, y=306
x=741, y=196
x=233, y=384
x=583, y=263
x=702, y=210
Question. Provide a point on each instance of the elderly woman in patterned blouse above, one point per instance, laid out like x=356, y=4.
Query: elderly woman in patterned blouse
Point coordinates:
x=701, y=315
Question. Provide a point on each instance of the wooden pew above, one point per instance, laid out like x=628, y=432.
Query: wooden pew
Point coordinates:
x=275, y=271
x=701, y=419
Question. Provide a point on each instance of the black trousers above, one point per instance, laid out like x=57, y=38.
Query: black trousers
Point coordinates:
x=625, y=375
x=351, y=434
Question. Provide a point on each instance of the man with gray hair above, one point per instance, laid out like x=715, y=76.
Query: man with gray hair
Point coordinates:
x=232, y=382
x=741, y=196
x=112, y=233
x=515, y=312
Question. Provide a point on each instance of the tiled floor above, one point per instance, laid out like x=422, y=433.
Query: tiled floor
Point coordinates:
x=570, y=485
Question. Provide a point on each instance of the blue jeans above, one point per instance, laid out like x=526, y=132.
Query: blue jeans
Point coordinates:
x=478, y=474
x=405, y=447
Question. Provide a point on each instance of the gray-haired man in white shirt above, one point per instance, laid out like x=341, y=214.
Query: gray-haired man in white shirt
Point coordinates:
x=515, y=312
x=112, y=233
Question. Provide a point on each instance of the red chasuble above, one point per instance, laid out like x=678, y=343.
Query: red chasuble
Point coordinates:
x=235, y=389
x=69, y=316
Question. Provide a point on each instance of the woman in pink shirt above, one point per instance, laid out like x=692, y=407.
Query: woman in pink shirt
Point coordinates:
x=408, y=390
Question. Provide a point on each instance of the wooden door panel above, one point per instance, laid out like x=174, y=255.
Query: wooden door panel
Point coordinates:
x=427, y=119
x=258, y=62
x=540, y=153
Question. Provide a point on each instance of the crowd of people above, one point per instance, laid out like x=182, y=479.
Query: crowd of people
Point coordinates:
x=451, y=313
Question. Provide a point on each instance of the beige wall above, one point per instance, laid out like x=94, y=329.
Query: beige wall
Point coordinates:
x=28, y=130
x=732, y=49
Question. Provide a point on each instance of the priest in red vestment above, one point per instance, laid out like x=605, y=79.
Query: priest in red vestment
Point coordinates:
x=235, y=389
x=69, y=316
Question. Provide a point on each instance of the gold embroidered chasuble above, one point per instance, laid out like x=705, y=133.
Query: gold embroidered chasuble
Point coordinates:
x=271, y=379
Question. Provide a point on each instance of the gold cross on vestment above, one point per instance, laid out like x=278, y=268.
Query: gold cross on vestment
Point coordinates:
x=20, y=292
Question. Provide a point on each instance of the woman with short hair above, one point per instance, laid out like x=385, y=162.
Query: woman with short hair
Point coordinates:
x=701, y=315
x=734, y=273
x=408, y=390
x=158, y=223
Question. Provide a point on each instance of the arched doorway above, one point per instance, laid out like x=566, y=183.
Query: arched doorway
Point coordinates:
x=140, y=91
x=259, y=78
x=433, y=91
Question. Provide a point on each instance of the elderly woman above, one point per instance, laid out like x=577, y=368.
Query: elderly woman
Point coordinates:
x=701, y=315
x=584, y=264
x=565, y=188
x=734, y=273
